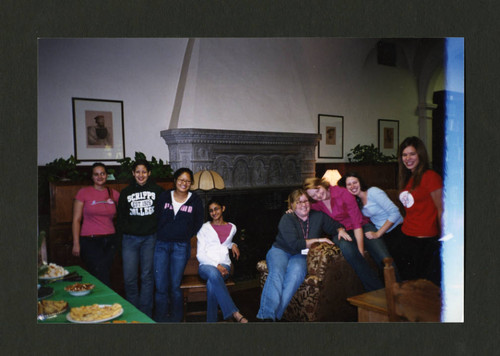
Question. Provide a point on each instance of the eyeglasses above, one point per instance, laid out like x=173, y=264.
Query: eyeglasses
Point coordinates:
x=184, y=181
x=302, y=202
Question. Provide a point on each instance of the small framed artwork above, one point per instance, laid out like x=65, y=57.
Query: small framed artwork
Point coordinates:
x=331, y=128
x=98, y=129
x=388, y=137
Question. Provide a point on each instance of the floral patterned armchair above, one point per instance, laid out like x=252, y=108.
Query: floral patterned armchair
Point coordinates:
x=330, y=280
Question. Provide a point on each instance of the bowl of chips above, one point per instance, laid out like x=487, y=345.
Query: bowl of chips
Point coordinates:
x=79, y=289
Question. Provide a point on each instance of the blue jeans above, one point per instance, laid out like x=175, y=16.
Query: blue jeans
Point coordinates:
x=377, y=248
x=138, y=252
x=366, y=274
x=170, y=260
x=98, y=253
x=217, y=293
x=286, y=274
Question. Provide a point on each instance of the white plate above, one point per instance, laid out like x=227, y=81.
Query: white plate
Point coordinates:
x=79, y=293
x=69, y=318
x=66, y=272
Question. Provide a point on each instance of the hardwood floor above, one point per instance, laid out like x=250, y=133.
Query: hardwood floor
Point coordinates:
x=246, y=296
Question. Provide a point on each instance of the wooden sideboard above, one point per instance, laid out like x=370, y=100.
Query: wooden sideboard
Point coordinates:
x=60, y=239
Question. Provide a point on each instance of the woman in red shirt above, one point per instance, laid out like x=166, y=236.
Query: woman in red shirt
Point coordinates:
x=418, y=251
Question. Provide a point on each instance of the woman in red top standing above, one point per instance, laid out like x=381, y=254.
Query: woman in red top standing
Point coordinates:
x=419, y=250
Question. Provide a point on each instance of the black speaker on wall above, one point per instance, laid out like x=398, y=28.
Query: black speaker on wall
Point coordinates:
x=386, y=53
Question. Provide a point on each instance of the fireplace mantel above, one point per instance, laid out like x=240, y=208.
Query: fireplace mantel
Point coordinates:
x=244, y=159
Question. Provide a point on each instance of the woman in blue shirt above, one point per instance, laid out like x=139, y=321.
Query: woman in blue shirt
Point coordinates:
x=376, y=205
x=180, y=216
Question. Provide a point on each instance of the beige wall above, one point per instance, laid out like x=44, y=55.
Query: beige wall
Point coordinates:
x=264, y=84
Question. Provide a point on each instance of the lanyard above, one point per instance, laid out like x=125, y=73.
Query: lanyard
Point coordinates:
x=306, y=232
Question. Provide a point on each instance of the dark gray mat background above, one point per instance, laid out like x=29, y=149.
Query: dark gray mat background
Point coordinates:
x=23, y=21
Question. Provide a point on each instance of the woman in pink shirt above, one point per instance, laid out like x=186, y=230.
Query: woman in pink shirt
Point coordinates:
x=341, y=206
x=93, y=228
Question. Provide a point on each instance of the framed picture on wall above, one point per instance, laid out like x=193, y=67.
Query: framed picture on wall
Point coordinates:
x=388, y=136
x=331, y=128
x=98, y=129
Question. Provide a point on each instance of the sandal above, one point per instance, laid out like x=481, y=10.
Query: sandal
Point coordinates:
x=242, y=320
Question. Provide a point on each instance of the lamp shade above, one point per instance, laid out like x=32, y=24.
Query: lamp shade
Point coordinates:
x=207, y=180
x=332, y=176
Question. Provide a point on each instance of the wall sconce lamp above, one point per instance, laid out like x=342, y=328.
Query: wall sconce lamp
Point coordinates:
x=207, y=180
x=332, y=176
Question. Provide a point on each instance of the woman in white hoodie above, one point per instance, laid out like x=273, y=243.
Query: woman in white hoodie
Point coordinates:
x=215, y=239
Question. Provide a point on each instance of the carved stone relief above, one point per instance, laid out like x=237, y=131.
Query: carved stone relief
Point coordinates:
x=244, y=159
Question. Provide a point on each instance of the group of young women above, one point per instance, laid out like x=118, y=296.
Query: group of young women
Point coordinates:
x=157, y=227
x=365, y=218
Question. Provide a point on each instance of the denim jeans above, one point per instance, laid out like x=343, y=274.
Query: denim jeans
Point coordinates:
x=376, y=247
x=217, y=293
x=286, y=274
x=170, y=259
x=138, y=252
x=98, y=253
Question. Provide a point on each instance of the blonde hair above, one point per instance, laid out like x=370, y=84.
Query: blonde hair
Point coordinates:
x=294, y=196
x=313, y=183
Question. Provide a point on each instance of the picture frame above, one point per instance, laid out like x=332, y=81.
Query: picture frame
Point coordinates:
x=98, y=129
x=388, y=137
x=331, y=129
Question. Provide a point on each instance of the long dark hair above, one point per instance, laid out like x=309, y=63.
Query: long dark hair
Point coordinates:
x=423, y=163
x=362, y=185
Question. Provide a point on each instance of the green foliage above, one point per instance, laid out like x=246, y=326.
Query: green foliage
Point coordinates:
x=368, y=154
x=159, y=169
x=63, y=169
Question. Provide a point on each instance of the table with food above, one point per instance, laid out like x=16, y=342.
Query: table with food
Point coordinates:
x=72, y=295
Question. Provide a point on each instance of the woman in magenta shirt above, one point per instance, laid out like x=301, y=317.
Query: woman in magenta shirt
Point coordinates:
x=341, y=206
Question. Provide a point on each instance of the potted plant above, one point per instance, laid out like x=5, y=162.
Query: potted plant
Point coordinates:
x=368, y=154
x=62, y=169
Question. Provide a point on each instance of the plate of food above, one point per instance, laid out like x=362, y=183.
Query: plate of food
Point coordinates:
x=95, y=313
x=53, y=271
x=51, y=308
x=79, y=289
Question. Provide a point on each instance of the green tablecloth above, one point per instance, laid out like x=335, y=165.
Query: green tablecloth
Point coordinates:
x=101, y=294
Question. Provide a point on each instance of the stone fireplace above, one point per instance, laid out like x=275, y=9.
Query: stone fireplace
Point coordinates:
x=244, y=159
x=259, y=170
